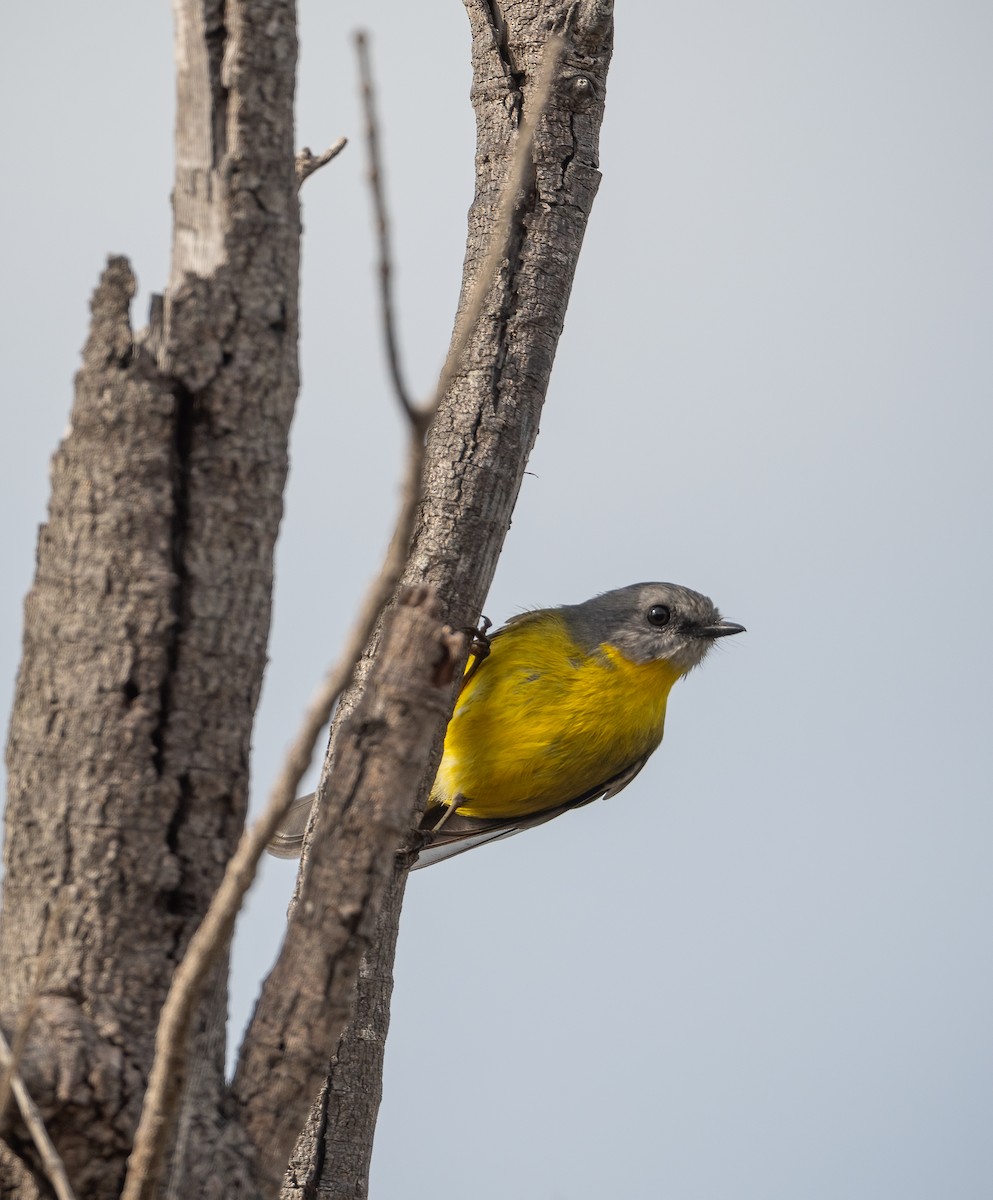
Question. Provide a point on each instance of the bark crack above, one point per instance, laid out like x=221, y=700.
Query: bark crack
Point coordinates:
x=182, y=444
x=312, y=1182
x=217, y=42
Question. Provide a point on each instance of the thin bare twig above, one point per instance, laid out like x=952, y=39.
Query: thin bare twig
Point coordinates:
x=171, y=1041
x=15, y=1051
x=307, y=162
x=51, y=1162
x=418, y=418
x=26, y=1015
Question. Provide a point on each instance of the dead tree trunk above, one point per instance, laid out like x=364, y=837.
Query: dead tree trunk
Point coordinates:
x=146, y=626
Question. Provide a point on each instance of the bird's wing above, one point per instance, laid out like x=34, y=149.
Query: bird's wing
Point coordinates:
x=459, y=834
x=287, y=841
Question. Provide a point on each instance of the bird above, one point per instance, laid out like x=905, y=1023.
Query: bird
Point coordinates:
x=558, y=707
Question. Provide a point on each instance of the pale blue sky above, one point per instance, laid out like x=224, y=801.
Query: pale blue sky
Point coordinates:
x=764, y=971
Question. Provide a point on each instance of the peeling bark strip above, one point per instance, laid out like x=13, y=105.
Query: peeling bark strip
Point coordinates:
x=478, y=445
x=308, y=997
x=146, y=627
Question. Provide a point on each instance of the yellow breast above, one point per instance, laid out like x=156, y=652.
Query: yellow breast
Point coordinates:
x=541, y=722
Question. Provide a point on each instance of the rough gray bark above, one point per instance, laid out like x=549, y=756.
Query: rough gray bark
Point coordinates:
x=477, y=451
x=146, y=627
x=332, y=1155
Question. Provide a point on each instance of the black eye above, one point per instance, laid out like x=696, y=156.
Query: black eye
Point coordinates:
x=659, y=615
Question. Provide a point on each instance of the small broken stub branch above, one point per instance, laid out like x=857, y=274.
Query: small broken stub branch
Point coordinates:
x=307, y=162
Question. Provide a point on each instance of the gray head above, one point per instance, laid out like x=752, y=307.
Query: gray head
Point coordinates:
x=649, y=621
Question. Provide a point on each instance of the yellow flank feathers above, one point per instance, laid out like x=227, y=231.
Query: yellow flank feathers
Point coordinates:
x=543, y=721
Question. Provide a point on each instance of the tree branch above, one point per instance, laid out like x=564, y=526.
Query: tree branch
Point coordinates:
x=368, y=94
x=493, y=386
x=419, y=418
x=51, y=1163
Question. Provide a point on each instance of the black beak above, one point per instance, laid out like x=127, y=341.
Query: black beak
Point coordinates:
x=724, y=629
